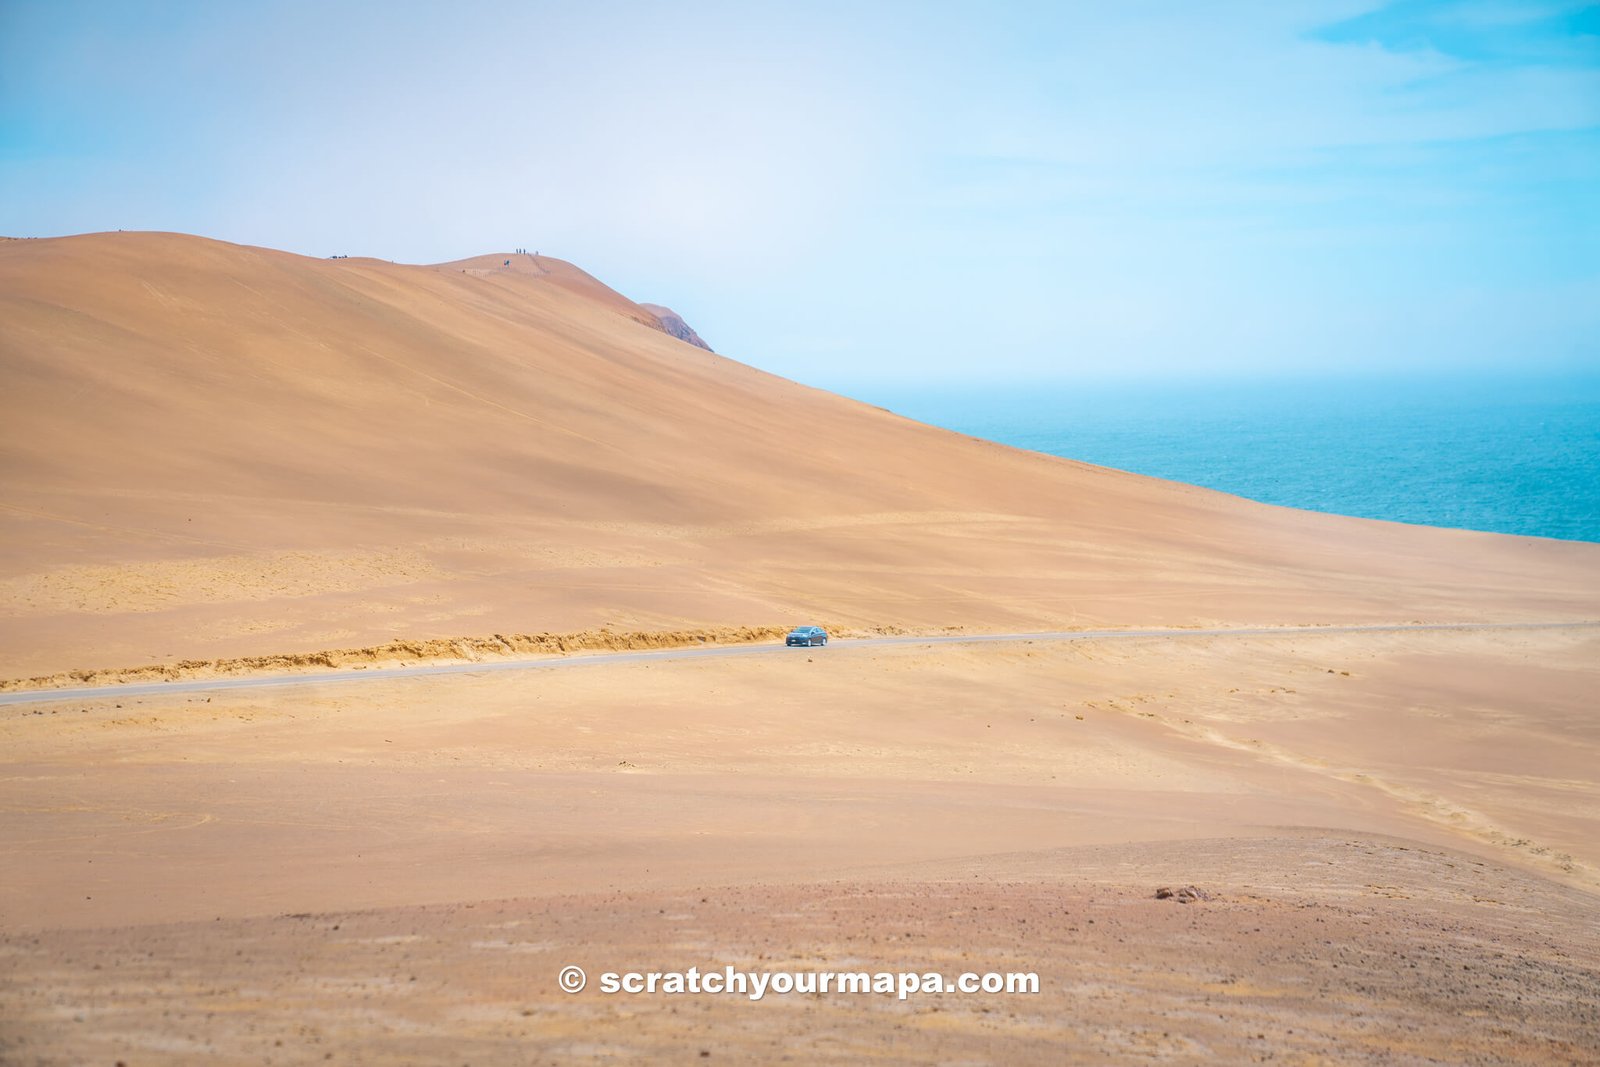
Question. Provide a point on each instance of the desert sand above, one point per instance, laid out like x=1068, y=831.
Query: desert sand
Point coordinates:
x=214, y=451
x=217, y=452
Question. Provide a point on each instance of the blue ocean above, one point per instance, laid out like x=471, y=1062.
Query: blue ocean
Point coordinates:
x=1516, y=457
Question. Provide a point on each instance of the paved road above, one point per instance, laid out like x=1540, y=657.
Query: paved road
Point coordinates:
x=210, y=685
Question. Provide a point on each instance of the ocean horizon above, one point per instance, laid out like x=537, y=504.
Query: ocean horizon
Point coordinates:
x=1504, y=455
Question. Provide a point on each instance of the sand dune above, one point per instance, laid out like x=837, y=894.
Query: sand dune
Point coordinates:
x=215, y=451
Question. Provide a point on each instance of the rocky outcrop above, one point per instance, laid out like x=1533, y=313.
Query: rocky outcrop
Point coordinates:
x=672, y=323
x=1185, y=894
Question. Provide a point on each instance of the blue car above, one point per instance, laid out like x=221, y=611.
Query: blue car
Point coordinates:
x=807, y=635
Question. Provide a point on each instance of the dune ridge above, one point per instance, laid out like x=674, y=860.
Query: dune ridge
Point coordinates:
x=400, y=651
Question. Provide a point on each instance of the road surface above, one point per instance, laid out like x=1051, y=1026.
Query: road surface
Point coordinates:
x=211, y=685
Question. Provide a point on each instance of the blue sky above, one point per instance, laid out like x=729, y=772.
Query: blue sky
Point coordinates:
x=866, y=193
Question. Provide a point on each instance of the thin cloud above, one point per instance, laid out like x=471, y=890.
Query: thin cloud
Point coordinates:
x=956, y=189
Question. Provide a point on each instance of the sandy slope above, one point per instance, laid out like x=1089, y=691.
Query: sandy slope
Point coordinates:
x=212, y=450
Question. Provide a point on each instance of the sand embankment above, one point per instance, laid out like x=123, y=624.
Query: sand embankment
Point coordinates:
x=400, y=653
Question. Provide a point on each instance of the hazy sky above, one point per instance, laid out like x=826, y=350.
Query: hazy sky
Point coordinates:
x=857, y=192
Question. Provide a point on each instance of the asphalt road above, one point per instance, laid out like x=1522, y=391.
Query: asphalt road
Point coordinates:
x=213, y=685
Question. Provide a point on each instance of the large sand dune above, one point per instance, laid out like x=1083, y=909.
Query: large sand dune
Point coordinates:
x=213, y=451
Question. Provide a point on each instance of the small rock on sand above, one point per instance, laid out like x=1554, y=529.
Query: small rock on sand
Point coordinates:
x=1183, y=894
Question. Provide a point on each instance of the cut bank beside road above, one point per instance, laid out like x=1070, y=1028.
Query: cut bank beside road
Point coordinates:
x=494, y=655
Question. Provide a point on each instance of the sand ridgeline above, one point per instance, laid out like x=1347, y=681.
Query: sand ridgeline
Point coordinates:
x=401, y=653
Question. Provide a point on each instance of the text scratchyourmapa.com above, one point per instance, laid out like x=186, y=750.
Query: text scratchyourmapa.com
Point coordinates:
x=731, y=981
